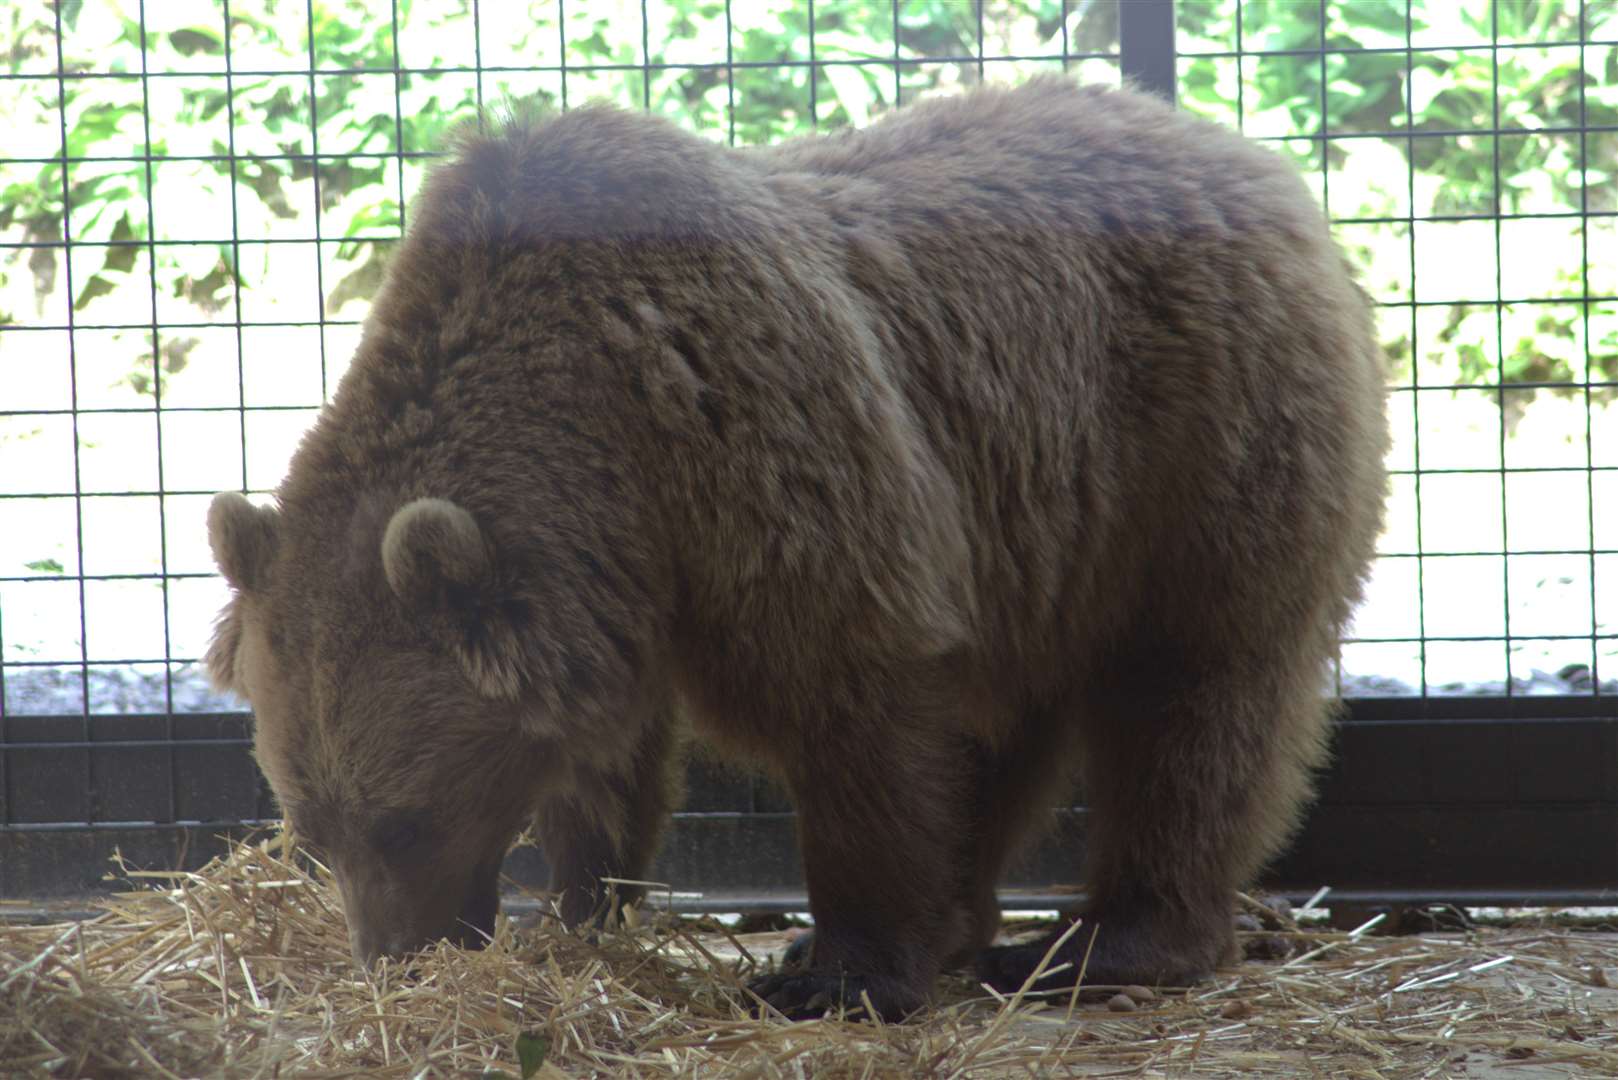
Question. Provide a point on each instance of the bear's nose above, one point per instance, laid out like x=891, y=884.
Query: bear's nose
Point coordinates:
x=369, y=949
x=366, y=952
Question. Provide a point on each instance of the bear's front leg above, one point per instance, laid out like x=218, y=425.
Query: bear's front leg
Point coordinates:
x=879, y=826
x=610, y=828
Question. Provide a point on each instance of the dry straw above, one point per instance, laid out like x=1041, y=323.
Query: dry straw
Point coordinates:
x=242, y=970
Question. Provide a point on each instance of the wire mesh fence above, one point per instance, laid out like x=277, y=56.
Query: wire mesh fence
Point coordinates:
x=1465, y=155
x=199, y=198
x=205, y=199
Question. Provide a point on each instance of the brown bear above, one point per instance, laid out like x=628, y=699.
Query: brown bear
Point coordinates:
x=1025, y=431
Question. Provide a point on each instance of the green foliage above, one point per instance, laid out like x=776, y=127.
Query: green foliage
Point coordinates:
x=532, y=1049
x=1435, y=110
x=338, y=153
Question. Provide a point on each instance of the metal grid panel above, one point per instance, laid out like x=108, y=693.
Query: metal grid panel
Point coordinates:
x=1465, y=152
x=226, y=192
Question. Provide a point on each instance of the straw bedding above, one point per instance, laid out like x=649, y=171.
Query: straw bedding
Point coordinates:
x=242, y=969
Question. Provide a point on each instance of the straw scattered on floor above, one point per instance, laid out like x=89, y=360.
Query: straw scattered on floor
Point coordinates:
x=242, y=969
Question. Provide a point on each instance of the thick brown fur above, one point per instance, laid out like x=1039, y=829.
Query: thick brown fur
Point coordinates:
x=1024, y=431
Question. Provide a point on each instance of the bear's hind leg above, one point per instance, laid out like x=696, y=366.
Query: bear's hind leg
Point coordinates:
x=1193, y=783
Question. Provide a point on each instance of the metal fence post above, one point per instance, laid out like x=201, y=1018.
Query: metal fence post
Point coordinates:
x=1146, y=45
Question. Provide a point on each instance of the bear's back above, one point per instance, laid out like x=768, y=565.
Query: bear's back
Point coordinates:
x=1005, y=372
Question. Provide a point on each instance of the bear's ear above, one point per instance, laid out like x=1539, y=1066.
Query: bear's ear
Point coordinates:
x=433, y=554
x=243, y=538
x=441, y=565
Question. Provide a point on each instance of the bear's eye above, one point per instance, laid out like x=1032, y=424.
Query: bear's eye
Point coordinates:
x=397, y=836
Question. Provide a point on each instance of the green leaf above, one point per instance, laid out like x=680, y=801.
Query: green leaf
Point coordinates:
x=121, y=258
x=531, y=1051
x=45, y=566
x=383, y=215
x=199, y=40
x=97, y=286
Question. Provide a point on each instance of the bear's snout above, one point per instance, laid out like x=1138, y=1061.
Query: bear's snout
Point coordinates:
x=369, y=949
x=376, y=933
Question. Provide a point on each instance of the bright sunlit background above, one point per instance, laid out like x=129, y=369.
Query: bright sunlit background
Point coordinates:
x=194, y=216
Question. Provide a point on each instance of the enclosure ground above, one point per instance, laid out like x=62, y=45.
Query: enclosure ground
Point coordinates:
x=242, y=970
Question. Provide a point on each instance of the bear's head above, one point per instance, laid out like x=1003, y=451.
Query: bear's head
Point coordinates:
x=404, y=716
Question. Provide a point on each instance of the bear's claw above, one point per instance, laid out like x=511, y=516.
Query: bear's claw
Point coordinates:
x=1125, y=957
x=810, y=995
